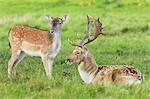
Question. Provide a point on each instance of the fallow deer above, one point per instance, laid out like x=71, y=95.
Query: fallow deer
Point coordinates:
x=25, y=40
x=90, y=72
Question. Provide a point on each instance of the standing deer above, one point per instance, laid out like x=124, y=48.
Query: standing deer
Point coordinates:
x=25, y=40
x=90, y=72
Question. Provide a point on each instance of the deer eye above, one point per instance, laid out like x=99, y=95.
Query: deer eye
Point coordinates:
x=78, y=53
x=60, y=21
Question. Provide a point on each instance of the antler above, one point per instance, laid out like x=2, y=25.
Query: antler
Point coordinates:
x=89, y=28
x=98, y=26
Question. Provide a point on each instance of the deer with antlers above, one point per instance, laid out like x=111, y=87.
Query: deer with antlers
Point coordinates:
x=90, y=72
x=25, y=40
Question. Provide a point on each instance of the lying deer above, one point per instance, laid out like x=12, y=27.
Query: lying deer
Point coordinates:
x=25, y=40
x=90, y=72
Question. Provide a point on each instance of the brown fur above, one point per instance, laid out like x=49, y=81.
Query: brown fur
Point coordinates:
x=103, y=73
x=30, y=39
x=25, y=40
x=35, y=36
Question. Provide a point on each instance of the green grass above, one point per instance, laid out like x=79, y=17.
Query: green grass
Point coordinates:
x=127, y=41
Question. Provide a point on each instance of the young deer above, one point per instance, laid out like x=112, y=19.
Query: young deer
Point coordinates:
x=25, y=40
x=90, y=72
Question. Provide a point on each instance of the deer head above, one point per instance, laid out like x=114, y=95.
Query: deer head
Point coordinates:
x=56, y=23
x=80, y=52
x=78, y=55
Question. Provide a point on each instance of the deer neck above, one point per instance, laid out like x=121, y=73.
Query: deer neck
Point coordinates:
x=87, y=68
x=56, y=43
x=57, y=36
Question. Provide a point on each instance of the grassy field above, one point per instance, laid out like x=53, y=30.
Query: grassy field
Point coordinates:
x=127, y=41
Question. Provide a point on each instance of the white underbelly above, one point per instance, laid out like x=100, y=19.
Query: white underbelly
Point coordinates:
x=32, y=53
x=31, y=49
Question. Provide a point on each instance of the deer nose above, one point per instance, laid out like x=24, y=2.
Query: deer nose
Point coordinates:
x=69, y=60
x=51, y=31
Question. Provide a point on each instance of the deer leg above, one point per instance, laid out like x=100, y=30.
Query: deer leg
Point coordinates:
x=20, y=57
x=14, y=60
x=48, y=65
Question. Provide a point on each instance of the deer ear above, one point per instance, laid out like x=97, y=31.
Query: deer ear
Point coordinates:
x=49, y=18
x=64, y=18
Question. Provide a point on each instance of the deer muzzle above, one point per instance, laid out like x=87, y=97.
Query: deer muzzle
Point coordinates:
x=69, y=61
